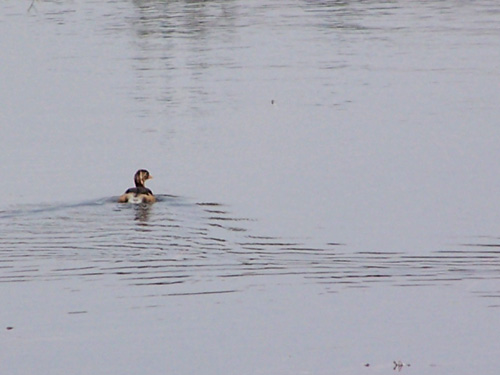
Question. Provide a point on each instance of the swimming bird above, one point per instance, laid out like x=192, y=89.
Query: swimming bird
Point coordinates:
x=139, y=193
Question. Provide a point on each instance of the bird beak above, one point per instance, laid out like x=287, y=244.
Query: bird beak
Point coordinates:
x=150, y=177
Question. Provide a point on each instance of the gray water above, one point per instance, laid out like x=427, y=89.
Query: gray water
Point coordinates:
x=326, y=175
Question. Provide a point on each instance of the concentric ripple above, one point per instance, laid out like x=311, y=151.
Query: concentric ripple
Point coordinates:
x=201, y=248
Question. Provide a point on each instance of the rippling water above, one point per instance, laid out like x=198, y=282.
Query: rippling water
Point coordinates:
x=188, y=247
x=326, y=174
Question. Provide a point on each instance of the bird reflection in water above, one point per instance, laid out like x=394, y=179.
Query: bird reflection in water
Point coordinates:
x=142, y=212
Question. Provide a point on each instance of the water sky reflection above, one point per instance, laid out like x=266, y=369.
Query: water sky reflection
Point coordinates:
x=327, y=172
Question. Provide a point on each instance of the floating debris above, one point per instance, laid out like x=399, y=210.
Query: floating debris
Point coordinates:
x=399, y=365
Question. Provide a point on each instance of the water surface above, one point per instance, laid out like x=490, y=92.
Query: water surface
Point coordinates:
x=326, y=174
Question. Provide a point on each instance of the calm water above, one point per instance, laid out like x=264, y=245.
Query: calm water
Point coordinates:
x=326, y=174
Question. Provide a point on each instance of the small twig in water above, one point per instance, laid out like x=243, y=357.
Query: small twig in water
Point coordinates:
x=32, y=5
x=399, y=365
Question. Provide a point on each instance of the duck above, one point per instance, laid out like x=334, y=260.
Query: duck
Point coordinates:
x=139, y=193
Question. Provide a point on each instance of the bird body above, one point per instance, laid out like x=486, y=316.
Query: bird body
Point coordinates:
x=139, y=193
